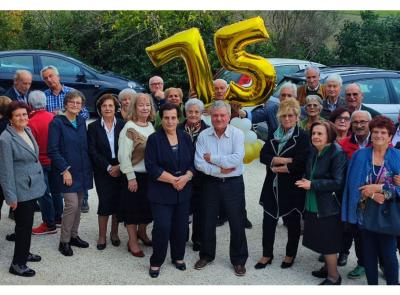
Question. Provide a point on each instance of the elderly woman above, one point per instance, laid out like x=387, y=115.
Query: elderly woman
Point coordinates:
x=169, y=162
x=4, y=102
x=313, y=107
x=136, y=211
x=193, y=125
x=103, y=137
x=70, y=167
x=370, y=178
x=51, y=205
x=285, y=156
x=21, y=178
x=341, y=118
x=174, y=96
x=124, y=98
x=324, y=183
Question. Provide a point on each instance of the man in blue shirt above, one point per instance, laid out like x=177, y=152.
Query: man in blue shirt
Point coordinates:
x=56, y=92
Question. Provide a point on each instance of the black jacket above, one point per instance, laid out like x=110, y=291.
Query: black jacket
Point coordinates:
x=288, y=196
x=328, y=179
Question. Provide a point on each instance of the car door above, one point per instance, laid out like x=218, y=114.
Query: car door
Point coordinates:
x=70, y=73
x=377, y=97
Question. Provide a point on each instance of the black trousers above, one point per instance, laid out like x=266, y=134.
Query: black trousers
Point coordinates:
x=23, y=230
x=292, y=222
x=170, y=224
x=230, y=194
x=196, y=223
x=353, y=232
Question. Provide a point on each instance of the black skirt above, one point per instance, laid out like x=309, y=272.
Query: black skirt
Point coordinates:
x=322, y=235
x=135, y=206
x=109, y=192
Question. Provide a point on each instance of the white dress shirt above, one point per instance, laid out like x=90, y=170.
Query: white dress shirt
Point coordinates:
x=226, y=151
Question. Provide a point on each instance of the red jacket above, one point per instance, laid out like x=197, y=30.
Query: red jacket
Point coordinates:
x=349, y=145
x=39, y=124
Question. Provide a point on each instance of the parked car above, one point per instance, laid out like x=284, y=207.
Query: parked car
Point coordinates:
x=381, y=89
x=283, y=66
x=74, y=73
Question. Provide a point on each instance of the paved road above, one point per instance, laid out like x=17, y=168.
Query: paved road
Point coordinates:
x=115, y=266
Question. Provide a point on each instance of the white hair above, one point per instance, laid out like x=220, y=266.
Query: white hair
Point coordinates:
x=334, y=78
x=192, y=102
x=290, y=85
x=361, y=112
x=124, y=92
x=311, y=67
x=37, y=99
x=50, y=67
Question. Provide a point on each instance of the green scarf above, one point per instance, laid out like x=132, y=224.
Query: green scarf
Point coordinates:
x=282, y=137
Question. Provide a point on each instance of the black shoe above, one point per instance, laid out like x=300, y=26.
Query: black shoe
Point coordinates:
x=329, y=282
x=116, y=242
x=287, y=264
x=21, y=270
x=342, y=259
x=321, y=258
x=322, y=273
x=196, y=246
x=180, y=266
x=260, y=265
x=221, y=221
x=65, y=249
x=248, y=224
x=78, y=242
x=85, y=207
x=154, y=273
x=10, y=237
x=33, y=257
x=101, y=246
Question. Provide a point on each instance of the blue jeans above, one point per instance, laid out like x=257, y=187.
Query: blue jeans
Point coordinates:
x=384, y=246
x=51, y=205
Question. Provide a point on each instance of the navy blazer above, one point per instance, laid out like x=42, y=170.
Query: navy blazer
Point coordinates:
x=67, y=147
x=159, y=158
x=99, y=147
x=12, y=94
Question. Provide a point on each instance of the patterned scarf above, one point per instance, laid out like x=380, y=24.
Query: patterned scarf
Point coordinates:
x=193, y=130
x=282, y=137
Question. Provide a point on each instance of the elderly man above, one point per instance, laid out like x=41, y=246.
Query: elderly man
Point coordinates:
x=56, y=92
x=51, y=205
x=333, y=84
x=22, y=84
x=156, y=85
x=354, y=99
x=268, y=112
x=219, y=155
x=312, y=86
x=360, y=138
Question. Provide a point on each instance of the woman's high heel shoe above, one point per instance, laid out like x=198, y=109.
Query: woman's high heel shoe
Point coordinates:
x=287, y=264
x=146, y=242
x=260, y=265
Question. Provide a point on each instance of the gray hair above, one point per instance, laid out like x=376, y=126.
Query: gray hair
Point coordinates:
x=37, y=99
x=313, y=97
x=311, y=67
x=194, y=102
x=155, y=77
x=19, y=73
x=219, y=104
x=353, y=84
x=50, y=67
x=126, y=92
x=361, y=112
x=290, y=85
x=220, y=80
x=334, y=78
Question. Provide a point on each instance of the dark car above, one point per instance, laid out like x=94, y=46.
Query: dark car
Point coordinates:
x=91, y=82
x=381, y=88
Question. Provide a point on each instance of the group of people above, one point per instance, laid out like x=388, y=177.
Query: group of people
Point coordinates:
x=153, y=159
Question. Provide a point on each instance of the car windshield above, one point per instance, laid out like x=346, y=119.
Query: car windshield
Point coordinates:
x=86, y=65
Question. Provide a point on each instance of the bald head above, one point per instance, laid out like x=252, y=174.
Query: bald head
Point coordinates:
x=22, y=81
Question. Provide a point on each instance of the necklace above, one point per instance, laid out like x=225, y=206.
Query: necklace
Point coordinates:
x=373, y=166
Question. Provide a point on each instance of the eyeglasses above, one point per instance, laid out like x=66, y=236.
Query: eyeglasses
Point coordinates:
x=359, y=122
x=156, y=83
x=290, y=116
x=352, y=94
x=310, y=106
x=341, y=118
x=73, y=102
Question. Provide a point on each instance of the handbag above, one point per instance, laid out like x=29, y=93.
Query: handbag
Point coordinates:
x=382, y=218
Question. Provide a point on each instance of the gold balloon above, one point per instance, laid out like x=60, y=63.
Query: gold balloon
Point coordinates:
x=250, y=153
x=190, y=47
x=230, y=42
x=258, y=146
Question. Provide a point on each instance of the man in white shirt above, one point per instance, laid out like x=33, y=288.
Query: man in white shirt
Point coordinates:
x=219, y=155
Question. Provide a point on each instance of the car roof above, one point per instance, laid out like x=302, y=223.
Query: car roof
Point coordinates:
x=37, y=51
x=348, y=72
x=282, y=61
